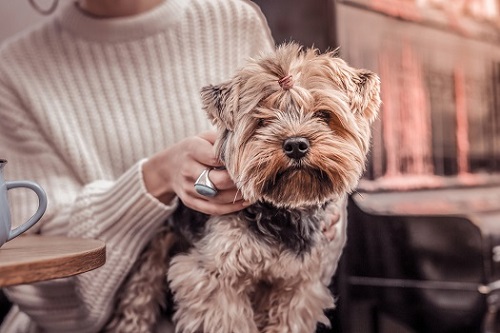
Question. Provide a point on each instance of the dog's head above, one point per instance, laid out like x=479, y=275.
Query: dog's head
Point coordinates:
x=294, y=125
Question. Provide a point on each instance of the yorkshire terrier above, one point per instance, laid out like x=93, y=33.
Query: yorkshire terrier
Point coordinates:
x=293, y=133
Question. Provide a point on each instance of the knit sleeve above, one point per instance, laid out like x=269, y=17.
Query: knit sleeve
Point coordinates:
x=118, y=211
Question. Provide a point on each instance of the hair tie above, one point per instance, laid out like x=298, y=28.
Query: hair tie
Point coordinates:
x=286, y=82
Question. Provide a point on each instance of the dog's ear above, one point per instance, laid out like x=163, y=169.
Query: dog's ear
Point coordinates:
x=366, y=97
x=221, y=102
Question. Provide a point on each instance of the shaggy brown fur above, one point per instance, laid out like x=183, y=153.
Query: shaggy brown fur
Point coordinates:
x=142, y=296
x=294, y=131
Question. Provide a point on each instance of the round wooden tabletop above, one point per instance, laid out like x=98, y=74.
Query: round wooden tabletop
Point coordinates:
x=33, y=258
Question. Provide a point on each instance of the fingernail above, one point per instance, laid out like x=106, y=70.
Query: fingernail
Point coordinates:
x=246, y=203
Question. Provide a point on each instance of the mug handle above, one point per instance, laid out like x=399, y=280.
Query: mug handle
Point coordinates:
x=42, y=205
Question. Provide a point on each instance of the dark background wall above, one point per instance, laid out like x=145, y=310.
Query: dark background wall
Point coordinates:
x=310, y=22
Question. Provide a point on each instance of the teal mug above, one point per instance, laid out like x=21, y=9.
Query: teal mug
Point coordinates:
x=6, y=231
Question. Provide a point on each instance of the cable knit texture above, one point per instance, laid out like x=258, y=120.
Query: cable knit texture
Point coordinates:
x=83, y=102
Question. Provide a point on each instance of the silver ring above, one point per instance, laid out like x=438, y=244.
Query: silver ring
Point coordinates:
x=204, y=186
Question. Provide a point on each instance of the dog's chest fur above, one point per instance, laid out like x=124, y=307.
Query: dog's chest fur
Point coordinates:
x=261, y=238
x=294, y=230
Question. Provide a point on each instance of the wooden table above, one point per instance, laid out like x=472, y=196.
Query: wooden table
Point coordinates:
x=33, y=258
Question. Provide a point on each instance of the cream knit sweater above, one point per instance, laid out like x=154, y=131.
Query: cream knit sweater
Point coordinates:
x=83, y=102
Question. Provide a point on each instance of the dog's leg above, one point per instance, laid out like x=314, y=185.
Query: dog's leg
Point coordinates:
x=207, y=301
x=298, y=308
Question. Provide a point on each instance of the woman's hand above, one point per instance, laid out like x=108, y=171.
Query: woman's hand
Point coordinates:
x=328, y=226
x=174, y=171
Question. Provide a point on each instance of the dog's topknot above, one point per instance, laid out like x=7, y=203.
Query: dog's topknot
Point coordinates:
x=286, y=82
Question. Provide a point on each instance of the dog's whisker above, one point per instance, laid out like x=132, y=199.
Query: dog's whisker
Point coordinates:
x=236, y=195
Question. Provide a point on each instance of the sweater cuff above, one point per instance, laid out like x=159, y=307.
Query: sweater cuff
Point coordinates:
x=122, y=214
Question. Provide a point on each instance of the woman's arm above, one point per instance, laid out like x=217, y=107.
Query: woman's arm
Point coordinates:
x=118, y=211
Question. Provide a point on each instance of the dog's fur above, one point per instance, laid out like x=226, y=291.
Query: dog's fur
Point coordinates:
x=294, y=131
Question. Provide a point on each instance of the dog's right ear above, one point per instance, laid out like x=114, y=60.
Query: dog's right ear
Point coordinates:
x=221, y=102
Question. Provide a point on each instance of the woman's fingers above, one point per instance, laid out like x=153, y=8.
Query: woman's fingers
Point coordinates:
x=329, y=230
x=221, y=179
x=202, y=151
x=175, y=171
x=210, y=136
x=226, y=190
x=211, y=207
x=328, y=226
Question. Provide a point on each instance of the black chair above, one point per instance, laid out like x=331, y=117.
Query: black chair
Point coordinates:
x=428, y=273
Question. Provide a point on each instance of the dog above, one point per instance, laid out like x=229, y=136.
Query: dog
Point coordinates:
x=293, y=133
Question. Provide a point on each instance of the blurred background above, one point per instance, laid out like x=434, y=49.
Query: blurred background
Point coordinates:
x=423, y=253
x=423, y=247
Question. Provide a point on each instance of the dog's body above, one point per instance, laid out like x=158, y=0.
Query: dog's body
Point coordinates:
x=294, y=131
x=246, y=270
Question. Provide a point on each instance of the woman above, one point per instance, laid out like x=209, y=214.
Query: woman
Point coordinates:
x=101, y=106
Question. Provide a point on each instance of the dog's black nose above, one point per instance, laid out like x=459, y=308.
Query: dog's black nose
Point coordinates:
x=296, y=147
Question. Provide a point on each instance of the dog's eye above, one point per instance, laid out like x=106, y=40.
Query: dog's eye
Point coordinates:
x=261, y=122
x=323, y=115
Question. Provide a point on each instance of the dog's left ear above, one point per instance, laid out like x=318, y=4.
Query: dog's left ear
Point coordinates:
x=221, y=102
x=366, y=97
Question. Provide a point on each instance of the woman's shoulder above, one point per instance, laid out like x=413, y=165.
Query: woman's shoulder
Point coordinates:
x=27, y=42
